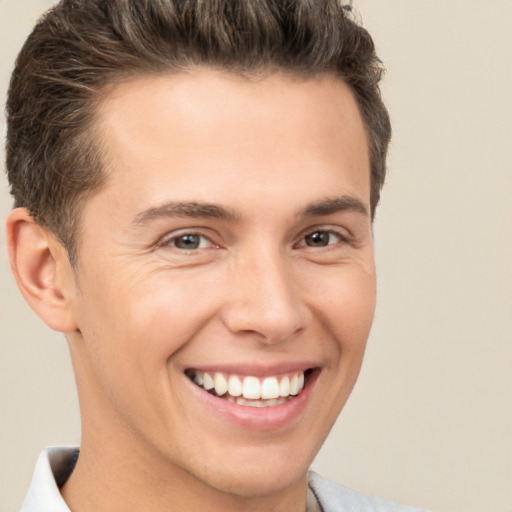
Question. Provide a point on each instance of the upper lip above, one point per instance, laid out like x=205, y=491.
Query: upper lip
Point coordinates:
x=256, y=370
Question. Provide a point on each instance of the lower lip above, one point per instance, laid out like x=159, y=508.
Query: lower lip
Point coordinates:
x=258, y=418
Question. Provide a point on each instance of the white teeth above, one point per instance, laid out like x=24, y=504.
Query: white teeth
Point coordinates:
x=208, y=381
x=252, y=388
x=198, y=378
x=259, y=403
x=301, y=381
x=234, y=386
x=221, y=386
x=269, y=388
x=294, y=385
x=284, y=386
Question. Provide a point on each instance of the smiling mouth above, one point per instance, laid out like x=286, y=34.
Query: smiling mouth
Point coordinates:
x=251, y=391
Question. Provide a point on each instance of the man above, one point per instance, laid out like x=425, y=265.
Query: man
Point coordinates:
x=194, y=187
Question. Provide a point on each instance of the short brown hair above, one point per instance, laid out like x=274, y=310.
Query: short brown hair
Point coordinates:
x=82, y=46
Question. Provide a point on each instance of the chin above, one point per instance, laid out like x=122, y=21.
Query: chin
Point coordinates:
x=260, y=473
x=253, y=482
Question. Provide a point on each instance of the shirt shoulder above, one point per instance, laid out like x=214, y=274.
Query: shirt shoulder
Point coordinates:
x=334, y=497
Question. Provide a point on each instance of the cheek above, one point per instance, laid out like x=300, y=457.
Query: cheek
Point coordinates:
x=135, y=327
x=348, y=304
x=171, y=309
x=130, y=330
x=351, y=311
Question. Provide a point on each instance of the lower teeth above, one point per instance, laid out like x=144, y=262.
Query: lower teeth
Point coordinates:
x=261, y=402
x=256, y=403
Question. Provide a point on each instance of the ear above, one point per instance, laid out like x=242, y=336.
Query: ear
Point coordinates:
x=42, y=270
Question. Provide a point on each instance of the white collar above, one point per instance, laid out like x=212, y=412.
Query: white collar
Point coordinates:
x=53, y=467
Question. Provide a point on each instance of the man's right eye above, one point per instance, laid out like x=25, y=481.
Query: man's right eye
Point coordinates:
x=189, y=242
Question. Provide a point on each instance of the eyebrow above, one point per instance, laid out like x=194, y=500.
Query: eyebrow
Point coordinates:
x=333, y=205
x=186, y=209
x=198, y=210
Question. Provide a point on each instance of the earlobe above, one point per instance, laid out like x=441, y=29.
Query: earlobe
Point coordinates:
x=42, y=270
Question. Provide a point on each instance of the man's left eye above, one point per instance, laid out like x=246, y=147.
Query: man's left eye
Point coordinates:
x=321, y=239
x=189, y=242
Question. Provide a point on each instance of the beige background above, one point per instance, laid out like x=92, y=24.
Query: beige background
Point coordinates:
x=430, y=421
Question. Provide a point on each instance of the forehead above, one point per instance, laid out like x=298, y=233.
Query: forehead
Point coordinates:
x=194, y=126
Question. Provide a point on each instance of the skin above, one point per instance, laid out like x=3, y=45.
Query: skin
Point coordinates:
x=275, y=154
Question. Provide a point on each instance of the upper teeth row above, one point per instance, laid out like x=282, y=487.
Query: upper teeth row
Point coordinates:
x=250, y=387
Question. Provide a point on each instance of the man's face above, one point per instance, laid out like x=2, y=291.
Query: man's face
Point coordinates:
x=232, y=243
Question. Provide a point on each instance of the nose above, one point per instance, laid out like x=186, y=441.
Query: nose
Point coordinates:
x=264, y=300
